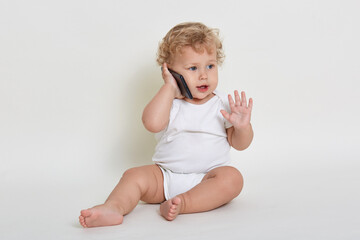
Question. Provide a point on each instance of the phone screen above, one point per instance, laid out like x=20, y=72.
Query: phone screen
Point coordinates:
x=184, y=89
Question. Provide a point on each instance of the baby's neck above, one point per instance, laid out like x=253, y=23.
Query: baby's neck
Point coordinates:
x=197, y=101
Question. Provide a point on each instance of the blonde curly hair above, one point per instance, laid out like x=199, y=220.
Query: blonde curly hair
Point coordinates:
x=193, y=34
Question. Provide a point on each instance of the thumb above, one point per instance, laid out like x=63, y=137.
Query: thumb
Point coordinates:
x=225, y=114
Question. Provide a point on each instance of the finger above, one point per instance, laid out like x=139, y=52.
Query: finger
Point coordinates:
x=231, y=102
x=166, y=73
x=225, y=114
x=243, y=99
x=250, y=103
x=164, y=69
x=237, y=98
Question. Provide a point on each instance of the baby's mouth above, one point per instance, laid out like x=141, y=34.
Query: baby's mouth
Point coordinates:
x=203, y=88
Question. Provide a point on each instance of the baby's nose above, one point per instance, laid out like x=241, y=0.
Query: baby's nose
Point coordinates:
x=203, y=75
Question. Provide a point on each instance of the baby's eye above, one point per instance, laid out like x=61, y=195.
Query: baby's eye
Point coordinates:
x=192, y=68
x=210, y=66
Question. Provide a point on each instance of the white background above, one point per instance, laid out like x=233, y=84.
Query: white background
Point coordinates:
x=75, y=76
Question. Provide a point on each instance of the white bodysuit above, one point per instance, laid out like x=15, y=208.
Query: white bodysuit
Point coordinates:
x=194, y=142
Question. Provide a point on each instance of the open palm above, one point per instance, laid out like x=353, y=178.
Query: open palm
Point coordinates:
x=240, y=111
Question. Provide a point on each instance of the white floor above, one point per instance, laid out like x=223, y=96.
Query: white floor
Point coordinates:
x=318, y=201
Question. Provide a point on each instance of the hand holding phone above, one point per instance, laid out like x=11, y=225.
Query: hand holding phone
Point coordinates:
x=180, y=80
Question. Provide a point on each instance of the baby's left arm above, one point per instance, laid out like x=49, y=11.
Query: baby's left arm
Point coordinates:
x=240, y=134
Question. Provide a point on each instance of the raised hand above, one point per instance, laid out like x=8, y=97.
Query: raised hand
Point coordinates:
x=169, y=79
x=240, y=111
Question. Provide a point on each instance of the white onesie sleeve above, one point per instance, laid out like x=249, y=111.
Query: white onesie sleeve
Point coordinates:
x=225, y=103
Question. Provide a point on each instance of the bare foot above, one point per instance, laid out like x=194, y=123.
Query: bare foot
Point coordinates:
x=171, y=208
x=101, y=215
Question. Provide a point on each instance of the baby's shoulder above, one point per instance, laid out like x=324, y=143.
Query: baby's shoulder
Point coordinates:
x=223, y=97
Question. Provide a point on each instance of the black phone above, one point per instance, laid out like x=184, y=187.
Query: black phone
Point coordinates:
x=184, y=89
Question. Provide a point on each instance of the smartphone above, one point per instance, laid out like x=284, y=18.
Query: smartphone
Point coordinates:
x=184, y=89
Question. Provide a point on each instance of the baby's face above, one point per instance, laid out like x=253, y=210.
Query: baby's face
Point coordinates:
x=200, y=71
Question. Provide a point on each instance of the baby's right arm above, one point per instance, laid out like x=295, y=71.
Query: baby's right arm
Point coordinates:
x=156, y=114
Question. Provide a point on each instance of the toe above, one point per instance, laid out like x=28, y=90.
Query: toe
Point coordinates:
x=83, y=224
x=86, y=213
x=176, y=201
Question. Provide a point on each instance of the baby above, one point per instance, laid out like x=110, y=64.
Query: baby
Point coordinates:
x=191, y=171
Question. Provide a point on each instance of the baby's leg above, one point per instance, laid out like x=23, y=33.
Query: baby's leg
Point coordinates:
x=141, y=183
x=218, y=187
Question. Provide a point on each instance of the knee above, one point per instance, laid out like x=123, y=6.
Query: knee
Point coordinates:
x=130, y=172
x=133, y=173
x=232, y=181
